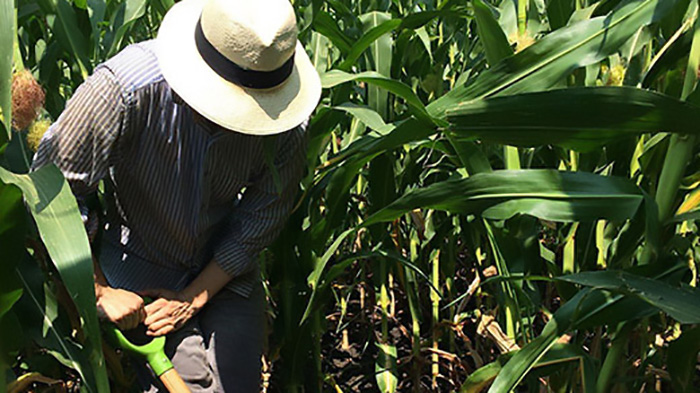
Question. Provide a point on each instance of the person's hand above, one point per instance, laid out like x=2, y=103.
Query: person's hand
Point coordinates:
x=168, y=312
x=121, y=307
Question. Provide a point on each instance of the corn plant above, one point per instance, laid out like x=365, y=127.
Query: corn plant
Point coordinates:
x=516, y=156
x=501, y=195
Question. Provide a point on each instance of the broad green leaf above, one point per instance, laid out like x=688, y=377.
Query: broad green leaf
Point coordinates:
x=319, y=52
x=403, y=132
x=385, y=368
x=7, y=28
x=473, y=159
x=558, y=354
x=682, y=360
x=482, y=377
x=38, y=316
x=493, y=39
x=70, y=36
x=618, y=310
x=545, y=63
x=324, y=24
x=366, y=115
x=381, y=181
x=600, y=115
x=681, y=304
x=55, y=211
x=547, y=194
x=96, y=11
x=675, y=18
x=679, y=48
x=422, y=34
x=381, y=56
x=12, y=232
x=538, y=67
x=584, y=303
x=420, y=19
x=559, y=12
x=335, y=77
x=337, y=195
x=680, y=148
x=315, y=276
x=378, y=29
x=133, y=10
x=587, y=306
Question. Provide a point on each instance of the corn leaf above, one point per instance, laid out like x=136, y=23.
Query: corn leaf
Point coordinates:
x=682, y=359
x=558, y=354
x=335, y=77
x=378, y=29
x=367, y=116
x=496, y=46
x=72, y=39
x=319, y=52
x=547, y=61
x=559, y=12
x=130, y=12
x=583, y=304
x=39, y=316
x=536, y=68
x=7, y=27
x=681, y=304
x=381, y=55
x=600, y=115
x=12, y=231
x=385, y=368
x=315, y=277
x=324, y=24
x=55, y=211
x=547, y=194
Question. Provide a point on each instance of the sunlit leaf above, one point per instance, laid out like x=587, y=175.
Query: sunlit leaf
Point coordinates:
x=547, y=194
x=56, y=214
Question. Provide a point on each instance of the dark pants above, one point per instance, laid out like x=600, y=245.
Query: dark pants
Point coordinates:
x=220, y=348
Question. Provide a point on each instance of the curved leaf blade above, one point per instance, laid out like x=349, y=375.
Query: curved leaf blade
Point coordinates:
x=542, y=65
x=7, y=21
x=369, y=38
x=538, y=67
x=547, y=194
x=494, y=41
x=681, y=304
x=335, y=77
x=55, y=211
x=601, y=115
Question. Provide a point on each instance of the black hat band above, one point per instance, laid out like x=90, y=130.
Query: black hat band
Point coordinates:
x=234, y=73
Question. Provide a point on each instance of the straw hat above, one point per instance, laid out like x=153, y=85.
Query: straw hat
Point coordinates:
x=239, y=63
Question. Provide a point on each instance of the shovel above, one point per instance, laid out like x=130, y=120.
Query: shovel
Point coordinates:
x=153, y=352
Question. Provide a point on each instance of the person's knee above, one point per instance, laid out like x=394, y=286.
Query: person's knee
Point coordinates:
x=189, y=357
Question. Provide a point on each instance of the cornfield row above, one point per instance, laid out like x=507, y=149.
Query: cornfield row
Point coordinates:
x=500, y=195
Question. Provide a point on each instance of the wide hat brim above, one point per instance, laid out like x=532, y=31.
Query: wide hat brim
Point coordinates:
x=245, y=110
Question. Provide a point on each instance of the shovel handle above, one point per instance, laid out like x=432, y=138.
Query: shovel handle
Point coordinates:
x=173, y=382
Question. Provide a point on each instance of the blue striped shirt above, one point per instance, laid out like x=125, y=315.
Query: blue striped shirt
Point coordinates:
x=181, y=192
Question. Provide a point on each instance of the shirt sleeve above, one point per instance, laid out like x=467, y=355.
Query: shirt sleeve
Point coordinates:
x=81, y=141
x=263, y=210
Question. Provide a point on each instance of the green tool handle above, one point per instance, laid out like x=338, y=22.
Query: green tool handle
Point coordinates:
x=152, y=352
